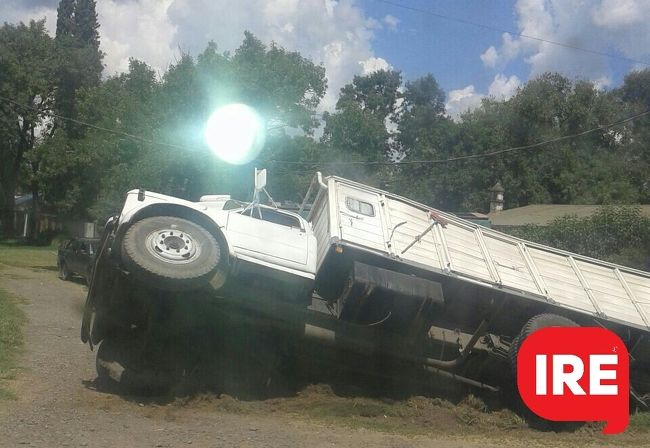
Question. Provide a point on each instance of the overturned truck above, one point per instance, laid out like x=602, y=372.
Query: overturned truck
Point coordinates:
x=367, y=272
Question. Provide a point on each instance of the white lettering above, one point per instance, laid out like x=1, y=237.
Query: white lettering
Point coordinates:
x=540, y=374
x=560, y=377
x=596, y=375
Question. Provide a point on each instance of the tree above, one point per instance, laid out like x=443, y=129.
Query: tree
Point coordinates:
x=422, y=118
x=99, y=168
x=357, y=131
x=65, y=25
x=635, y=92
x=80, y=59
x=376, y=93
x=26, y=71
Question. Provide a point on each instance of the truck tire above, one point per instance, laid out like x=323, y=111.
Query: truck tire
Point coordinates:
x=64, y=273
x=537, y=323
x=168, y=252
x=120, y=365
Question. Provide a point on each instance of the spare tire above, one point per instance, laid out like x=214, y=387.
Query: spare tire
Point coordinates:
x=168, y=252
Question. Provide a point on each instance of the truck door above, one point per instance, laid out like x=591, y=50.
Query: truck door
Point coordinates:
x=360, y=217
x=269, y=235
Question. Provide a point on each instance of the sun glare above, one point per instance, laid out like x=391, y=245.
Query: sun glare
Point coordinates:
x=235, y=133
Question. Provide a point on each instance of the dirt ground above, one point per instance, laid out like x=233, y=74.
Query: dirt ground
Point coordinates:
x=57, y=404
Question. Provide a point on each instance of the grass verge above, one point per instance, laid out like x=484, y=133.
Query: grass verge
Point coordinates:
x=11, y=339
x=35, y=257
x=468, y=420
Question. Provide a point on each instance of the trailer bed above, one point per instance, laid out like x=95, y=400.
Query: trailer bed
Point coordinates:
x=386, y=224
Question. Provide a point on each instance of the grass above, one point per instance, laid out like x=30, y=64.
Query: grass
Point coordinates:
x=11, y=339
x=468, y=420
x=35, y=257
x=640, y=422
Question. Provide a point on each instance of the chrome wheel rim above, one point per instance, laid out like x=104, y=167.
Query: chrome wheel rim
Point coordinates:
x=172, y=246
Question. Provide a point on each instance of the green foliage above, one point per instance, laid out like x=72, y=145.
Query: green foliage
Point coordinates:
x=99, y=168
x=79, y=63
x=617, y=234
x=26, y=70
x=376, y=93
x=11, y=338
x=378, y=120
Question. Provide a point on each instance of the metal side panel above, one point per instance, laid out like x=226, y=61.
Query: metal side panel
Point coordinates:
x=511, y=265
x=640, y=287
x=560, y=278
x=465, y=251
x=613, y=299
x=407, y=223
x=364, y=229
x=477, y=254
x=320, y=226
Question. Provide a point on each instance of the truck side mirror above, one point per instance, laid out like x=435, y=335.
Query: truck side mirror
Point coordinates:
x=260, y=179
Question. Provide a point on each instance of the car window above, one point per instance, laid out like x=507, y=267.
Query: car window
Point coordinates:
x=273, y=216
x=74, y=245
x=83, y=247
x=232, y=204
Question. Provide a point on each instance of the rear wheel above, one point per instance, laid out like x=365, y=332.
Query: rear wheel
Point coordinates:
x=171, y=253
x=537, y=323
x=64, y=273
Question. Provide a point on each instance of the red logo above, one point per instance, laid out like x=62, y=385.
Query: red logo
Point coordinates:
x=576, y=374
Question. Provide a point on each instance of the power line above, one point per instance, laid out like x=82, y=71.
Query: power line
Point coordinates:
x=477, y=156
x=501, y=30
x=316, y=163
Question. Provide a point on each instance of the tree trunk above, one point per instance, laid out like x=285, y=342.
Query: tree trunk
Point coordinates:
x=35, y=218
x=8, y=207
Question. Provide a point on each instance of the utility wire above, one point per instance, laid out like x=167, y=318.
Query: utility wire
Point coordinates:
x=316, y=163
x=91, y=126
x=476, y=156
x=501, y=30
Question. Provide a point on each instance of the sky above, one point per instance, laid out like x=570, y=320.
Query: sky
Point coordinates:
x=474, y=48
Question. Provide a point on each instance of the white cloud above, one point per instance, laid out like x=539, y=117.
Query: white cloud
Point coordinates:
x=504, y=88
x=391, y=22
x=600, y=25
x=462, y=100
x=372, y=65
x=615, y=14
x=136, y=29
x=490, y=57
x=11, y=14
x=337, y=34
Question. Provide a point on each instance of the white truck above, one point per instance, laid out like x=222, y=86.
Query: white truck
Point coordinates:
x=366, y=272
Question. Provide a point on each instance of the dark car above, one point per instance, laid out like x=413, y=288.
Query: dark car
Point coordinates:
x=77, y=257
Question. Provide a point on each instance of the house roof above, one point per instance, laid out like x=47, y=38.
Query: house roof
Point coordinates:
x=543, y=214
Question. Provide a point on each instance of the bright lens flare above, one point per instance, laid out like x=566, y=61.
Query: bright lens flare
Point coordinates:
x=235, y=133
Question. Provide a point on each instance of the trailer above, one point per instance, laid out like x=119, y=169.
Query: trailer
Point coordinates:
x=366, y=271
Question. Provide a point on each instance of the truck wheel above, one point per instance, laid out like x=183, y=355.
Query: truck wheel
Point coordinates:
x=170, y=252
x=537, y=323
x=64, y=274
x=120, y=364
